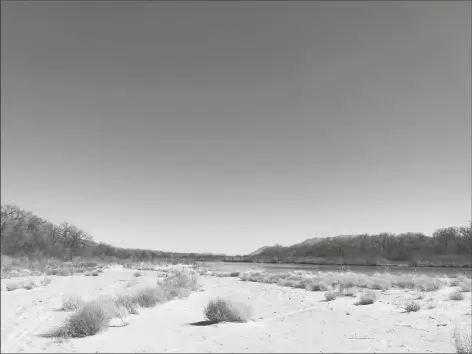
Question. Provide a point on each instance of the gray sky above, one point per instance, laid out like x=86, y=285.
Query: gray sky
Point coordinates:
x=225, y=126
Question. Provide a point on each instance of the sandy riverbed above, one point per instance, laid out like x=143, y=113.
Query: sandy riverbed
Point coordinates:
x=284, y=320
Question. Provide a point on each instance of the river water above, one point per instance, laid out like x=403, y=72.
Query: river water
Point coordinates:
x=276, y=268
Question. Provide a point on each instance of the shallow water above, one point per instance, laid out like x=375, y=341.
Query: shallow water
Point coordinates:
x=276, y=268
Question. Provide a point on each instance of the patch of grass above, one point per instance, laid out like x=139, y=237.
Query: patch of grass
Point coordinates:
x=95, y=273
x=456, y=295
x=137, y=274
x=412, y=306
x=221, y=310
x=462, y=341
x=330, y=295
x=234, y=274
x=367, y=297
x=71, y=303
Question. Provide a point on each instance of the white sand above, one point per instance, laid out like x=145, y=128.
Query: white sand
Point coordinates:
x=284, y=320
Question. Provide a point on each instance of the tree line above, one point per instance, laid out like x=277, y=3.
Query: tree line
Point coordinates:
x=451, y=246
x=25, y=234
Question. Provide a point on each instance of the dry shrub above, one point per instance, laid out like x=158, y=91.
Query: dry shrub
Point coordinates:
x=90, y=319
x=412, y=306
x=221, y=310
x=456, y=295
x=465, y=286
x=348, y=292
x=462, y=341
x=431, y=284
x=419, y=296
x=128, y=302
x=367, y=297
x=137, y=274
x=71, y=303
x=330, y=295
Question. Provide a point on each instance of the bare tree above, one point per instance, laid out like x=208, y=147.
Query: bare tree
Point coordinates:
x=10, y=214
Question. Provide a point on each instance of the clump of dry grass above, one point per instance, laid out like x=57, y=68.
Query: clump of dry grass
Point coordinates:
x=367, y=297
x=462, y=341
x=89, y=320
x=71, y=303
x=412, y=306
x=149, y=296
x=465, y=286
x=27, y=284
x=456, y=295
x=137, y=274
x=91, y=317
x=330, y=295
x=431, y=284
x=348, y=292
x=222, y=310
x=458, y=279
x=128, y=302
x=419, y=296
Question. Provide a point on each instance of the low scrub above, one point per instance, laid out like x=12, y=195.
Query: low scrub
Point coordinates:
x=322, y=281
x=93, y=316
x=222, y=310
x=367, y=297
x=412, y=306
x=456, y=295
x=137, y=274
x=28, y=284
x=465, y=286
x=462, y=340
x=24, y=266
x=71, y=303
x=330, y=295
x=90, y=319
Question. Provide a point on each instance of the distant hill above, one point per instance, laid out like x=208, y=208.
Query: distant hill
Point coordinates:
x=258, y=251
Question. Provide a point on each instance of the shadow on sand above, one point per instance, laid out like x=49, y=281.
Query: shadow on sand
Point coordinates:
x=203, y=323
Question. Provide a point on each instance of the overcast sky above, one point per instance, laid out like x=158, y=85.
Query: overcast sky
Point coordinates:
x=226, y=126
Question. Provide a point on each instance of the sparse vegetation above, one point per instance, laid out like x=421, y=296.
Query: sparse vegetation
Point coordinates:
x=412, y=306
x=137, y=274
x=419, y=296
x=27, y=284
x=71, y=303
x=222, y=310
x=465, y=286
x=91, y=317
x=456, y=295
x=367, y=297
x=462, y=340
x=330, y=295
